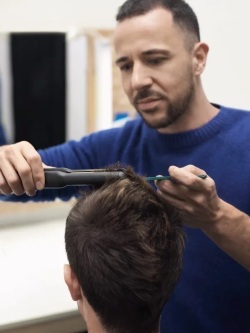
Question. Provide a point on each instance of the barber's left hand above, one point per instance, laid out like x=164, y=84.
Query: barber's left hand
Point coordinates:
x=196, y=198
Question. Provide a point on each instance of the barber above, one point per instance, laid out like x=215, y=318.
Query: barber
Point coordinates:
x=161, y=59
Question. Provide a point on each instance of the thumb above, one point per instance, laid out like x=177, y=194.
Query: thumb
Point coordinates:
x=157, y=181
x=46, y=166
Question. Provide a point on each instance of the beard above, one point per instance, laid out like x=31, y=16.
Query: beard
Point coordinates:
x=174, y=109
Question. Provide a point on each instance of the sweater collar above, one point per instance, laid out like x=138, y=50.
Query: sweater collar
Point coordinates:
x=198, y=135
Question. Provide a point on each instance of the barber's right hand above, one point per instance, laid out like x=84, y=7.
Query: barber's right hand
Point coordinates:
x=21, y=169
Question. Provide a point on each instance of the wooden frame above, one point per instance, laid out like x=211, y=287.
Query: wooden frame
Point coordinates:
x=120, y=100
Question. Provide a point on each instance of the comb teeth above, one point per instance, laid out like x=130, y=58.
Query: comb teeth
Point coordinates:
x=159, y=178
x=169, y=178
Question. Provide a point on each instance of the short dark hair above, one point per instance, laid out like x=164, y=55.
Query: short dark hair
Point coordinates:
x=183, y=14
x=125, y=245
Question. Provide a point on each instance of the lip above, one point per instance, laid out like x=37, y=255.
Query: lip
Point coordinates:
x=148, y=103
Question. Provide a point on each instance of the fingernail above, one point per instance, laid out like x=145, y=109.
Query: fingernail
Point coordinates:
x=156, y=181
x=39, y=186
x=171, y=168
x=31, y=194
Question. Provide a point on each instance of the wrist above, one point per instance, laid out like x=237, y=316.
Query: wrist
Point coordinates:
x=222, y=216
x=227, y=217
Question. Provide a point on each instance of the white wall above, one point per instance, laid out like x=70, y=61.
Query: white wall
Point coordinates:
x=225, y=26
x=6, y=88
x=61, y=15
x=77, y=89
x=104, y=100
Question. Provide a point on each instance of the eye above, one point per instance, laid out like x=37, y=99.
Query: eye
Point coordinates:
x=156, y=61
x=125, y=68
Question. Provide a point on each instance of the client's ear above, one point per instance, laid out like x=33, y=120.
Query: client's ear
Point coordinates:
x=72, y=283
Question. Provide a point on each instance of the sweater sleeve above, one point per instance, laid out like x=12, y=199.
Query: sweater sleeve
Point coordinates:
x=2, y=136
x=83, y=154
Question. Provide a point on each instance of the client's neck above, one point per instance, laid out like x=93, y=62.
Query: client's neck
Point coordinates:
x=101, y=330
x=94, y=326
x=93, y=323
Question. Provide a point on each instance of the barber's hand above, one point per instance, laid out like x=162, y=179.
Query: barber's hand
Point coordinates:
x=196, y=198
x=21, y=169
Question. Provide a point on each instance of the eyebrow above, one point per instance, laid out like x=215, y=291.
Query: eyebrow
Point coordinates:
x=122, y=59
x=156, y=51
x=149, y=52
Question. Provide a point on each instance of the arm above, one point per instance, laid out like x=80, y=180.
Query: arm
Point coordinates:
x=200, y=207
x=232, y=234
x=21, y=168
x=2, y=136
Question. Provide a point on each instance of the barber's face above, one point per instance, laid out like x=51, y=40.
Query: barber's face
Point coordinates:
x=156, y=67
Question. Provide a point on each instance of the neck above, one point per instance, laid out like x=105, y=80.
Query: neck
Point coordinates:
x=100, y=330
x=198, y=114
x=93, y=323
x=94, y=326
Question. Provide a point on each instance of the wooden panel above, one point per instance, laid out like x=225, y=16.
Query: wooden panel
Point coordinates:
x=67, y=325
x=91, y=85
x=120, y=100
x=19, y=207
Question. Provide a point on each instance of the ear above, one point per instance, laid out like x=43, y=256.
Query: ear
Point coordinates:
x=72, y=283
x=200, y=53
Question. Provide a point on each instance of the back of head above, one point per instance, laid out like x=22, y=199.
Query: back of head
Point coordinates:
x=182, y=13
x=125, y=246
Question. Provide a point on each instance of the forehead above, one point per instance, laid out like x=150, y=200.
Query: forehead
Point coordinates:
x=148, y=31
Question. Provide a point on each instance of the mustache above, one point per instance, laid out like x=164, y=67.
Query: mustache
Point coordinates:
x=147, y=94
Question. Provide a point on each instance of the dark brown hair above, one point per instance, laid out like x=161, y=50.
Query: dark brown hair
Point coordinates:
x=125, y=246
x=183, y=14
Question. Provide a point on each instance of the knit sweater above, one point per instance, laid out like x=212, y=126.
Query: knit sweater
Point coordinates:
x=213, y=294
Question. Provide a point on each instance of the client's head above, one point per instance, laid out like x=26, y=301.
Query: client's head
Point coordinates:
x=125, y=247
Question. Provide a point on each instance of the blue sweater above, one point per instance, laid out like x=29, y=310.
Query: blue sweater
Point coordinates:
x=213, y=295
x=2, y=136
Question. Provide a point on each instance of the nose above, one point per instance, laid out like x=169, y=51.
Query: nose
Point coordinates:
x=140, y=78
